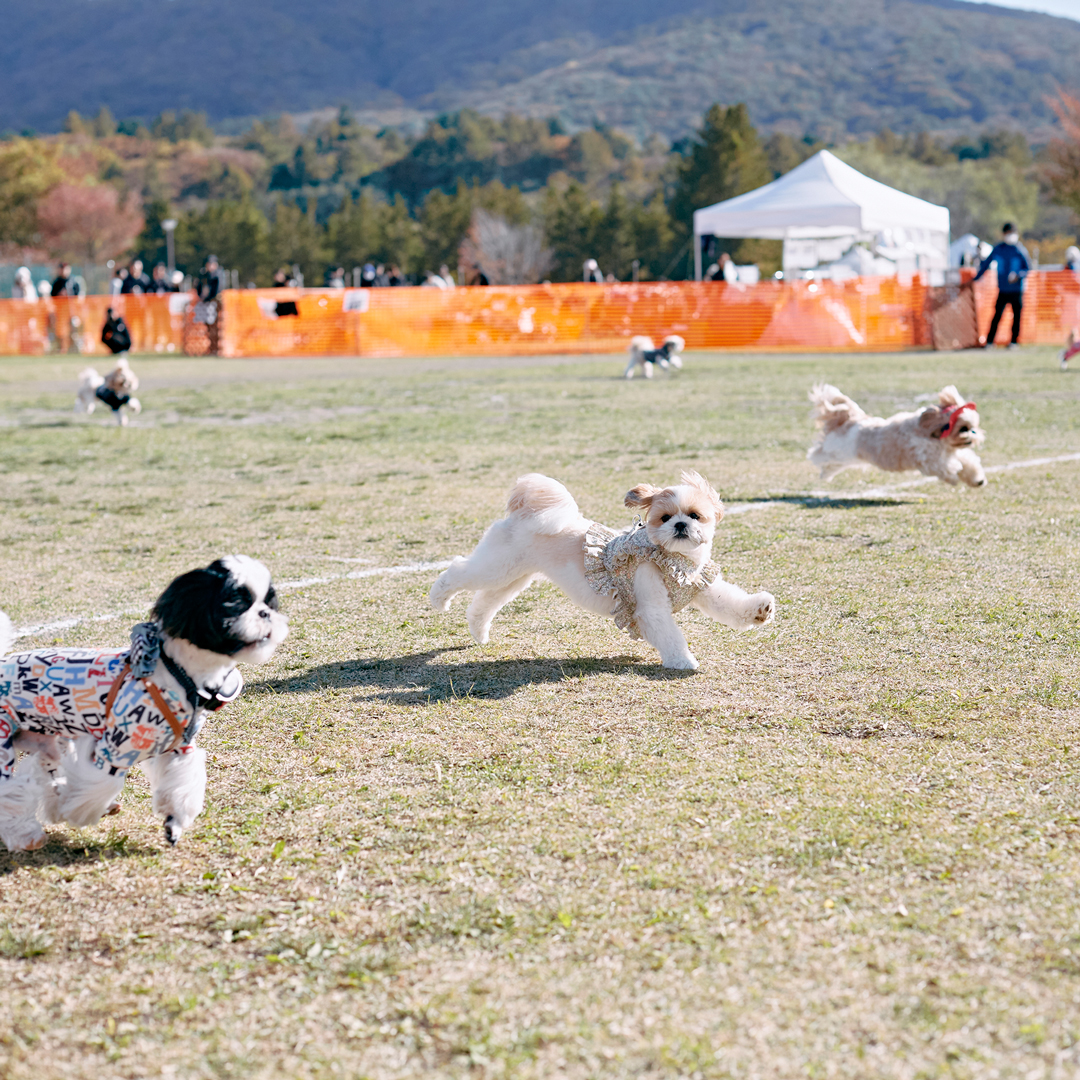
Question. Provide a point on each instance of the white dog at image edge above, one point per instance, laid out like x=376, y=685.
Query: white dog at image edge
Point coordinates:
x=83, y=718
x=939, y=440
x=639, y=577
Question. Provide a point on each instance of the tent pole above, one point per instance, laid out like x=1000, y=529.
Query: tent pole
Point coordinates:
x=697, y=255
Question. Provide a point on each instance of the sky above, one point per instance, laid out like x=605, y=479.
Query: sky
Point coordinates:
x=1070, y=9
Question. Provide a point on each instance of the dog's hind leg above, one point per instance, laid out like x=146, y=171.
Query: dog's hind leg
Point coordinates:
x=496, y=563
x=629, y=373
x=487, y=602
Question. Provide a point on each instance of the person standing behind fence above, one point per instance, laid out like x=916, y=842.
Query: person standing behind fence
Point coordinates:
x=209, y=280
x=62, y=282
x=1013, y=265
x=23, y=287
x=136, y=282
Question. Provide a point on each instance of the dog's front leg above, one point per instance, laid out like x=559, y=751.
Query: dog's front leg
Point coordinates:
x=732, y=606
x=971, y=468
x=655, y=621
x=178, y=785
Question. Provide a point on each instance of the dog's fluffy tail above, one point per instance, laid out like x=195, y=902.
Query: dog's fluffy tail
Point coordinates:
x=641, y=344
x=543, y=505
x=89, y=381
x=833, y=409
x=7, y=634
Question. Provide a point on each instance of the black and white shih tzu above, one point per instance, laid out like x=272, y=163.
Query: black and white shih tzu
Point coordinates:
x=644, y=356
x=84, y=717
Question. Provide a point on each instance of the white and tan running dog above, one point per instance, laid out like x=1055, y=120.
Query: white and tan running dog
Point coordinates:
x=939, y=440
x=644, y=355
x=114, y=390
x=639, y=577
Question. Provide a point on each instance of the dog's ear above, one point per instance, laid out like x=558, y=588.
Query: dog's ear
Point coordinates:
x=949, y=396
x=692, y=478
x=642, y=495
x=932, y=420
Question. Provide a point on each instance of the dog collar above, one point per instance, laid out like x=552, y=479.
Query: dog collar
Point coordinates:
x=208, y=700
x=952, y=413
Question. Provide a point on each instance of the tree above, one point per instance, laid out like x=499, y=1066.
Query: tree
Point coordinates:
x=571, y=220
x=725, y=160
x=104, y=124
x=508, y=254
x=150, y=245
x=613, y=236
x=652, y=237
x=236, y=232
x=28, y=170
x=297, y=238
x=88, y=222
x=353, y=231
x=1063, y=168
x=189, y=125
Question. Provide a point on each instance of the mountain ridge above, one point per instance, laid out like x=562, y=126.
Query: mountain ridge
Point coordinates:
x=837, y=69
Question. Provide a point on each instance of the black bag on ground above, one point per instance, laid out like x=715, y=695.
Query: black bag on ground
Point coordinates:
x=115, y=333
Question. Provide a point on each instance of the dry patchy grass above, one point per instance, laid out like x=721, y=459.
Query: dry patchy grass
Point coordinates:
x=847, y=846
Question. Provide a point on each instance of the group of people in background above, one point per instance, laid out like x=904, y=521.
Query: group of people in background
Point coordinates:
x=133, y=280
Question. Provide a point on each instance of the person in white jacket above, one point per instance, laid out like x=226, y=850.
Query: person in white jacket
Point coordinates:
x=24, y=288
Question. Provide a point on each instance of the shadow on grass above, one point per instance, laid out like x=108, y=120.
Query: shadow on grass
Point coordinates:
x=831, y=502
x=66, y=849
x=420, y=678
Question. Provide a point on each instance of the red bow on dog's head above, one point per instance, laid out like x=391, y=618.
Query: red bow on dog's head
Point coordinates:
x=952, y=414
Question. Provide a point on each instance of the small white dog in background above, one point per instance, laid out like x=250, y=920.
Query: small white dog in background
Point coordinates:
x=114, y=390
x=84, y=717
x=644, y=355
x=939, y=440
x=640, y=577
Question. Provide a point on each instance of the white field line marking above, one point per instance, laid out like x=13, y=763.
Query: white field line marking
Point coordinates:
x=414, y=568
x=885, y=491
x=300, y=583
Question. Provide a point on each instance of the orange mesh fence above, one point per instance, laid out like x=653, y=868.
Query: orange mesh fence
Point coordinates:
x=73, y=324
x=854, y=315
x=877, y=313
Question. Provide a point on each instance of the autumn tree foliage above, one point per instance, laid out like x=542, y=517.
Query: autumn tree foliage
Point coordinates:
x=1063, y=168
x=88, y=222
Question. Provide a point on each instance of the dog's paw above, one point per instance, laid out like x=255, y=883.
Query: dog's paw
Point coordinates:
x=480, y=634
x=114, y=808
x=682, y=663
x=173, y=832
x=762, y=609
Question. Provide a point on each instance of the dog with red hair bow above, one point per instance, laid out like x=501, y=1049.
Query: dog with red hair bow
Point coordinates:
x=938, y=440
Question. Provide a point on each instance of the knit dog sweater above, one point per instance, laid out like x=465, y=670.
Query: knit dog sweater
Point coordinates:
x=612, y=559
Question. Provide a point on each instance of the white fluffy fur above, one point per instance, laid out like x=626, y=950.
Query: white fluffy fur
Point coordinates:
x=85, y=792
x=542, y=536
x=847, y=436
x=641, y=344
x=7, y=634
x=178, y=782
x=20, y=809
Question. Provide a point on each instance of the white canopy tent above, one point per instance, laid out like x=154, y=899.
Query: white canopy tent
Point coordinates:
x=824, y=199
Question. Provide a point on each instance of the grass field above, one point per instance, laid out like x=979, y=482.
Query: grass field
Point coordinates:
x=846, y=847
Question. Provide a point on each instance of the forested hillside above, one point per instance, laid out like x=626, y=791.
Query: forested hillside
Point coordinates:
x=341, y=194
x=835, y=68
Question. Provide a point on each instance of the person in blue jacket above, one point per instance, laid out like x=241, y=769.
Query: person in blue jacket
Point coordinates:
x=1013, y=265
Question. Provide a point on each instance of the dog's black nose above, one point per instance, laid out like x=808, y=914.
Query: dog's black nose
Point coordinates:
x=680, y=526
